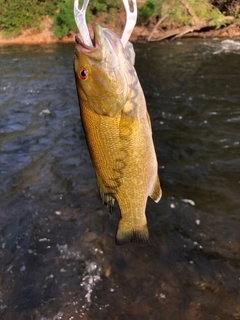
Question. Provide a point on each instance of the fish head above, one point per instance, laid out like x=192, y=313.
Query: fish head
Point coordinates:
x=102, y=72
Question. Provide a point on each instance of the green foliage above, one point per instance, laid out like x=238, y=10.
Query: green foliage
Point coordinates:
x=96, y=7
x=204, y=10
x=148, y=9
x=49, y=7
x=19, y=14
x=64, y=19
x=180, y=12
x=177, y=14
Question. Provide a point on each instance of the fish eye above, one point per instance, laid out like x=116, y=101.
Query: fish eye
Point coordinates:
x=82, y=73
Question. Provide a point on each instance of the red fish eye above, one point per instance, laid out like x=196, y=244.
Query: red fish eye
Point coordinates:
x=82, y=73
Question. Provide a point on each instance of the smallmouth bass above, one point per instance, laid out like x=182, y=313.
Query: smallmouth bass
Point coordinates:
x=118, y=130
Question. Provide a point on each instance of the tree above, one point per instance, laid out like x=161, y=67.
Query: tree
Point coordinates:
x=17, y=15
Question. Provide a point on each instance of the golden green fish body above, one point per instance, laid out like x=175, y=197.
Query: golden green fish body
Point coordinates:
x=118, y=132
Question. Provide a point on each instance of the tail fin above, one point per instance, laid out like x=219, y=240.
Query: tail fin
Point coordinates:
x=125, y=235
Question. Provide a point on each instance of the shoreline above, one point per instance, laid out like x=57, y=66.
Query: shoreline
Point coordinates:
x=140, y=33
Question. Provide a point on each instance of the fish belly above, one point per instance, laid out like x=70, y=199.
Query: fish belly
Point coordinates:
x=125, y=164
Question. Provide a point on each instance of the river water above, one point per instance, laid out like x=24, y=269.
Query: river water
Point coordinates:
x=58, y=257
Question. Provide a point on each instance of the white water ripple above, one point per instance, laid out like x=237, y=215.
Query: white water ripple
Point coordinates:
x=227, y=46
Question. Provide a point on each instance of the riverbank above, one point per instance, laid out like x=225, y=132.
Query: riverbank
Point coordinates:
x=151, y=31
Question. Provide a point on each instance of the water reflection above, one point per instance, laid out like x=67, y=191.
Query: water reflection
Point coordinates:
x=57, y=250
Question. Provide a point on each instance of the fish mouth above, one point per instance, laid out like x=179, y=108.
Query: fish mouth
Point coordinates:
x=81, y=44
x=101, y=38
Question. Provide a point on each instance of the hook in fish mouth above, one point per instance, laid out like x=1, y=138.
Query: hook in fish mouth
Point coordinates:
x=85, y=47
x=80, y=18
x=101, y=38
x=94, y=51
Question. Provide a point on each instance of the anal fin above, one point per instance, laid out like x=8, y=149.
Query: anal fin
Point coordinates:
x=156, y=193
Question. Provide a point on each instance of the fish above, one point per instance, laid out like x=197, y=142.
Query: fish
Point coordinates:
x=117, y=129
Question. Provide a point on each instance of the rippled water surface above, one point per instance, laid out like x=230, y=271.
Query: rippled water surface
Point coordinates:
x=58, y=257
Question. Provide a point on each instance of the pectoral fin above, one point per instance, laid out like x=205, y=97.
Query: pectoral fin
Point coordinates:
x=156, y=193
